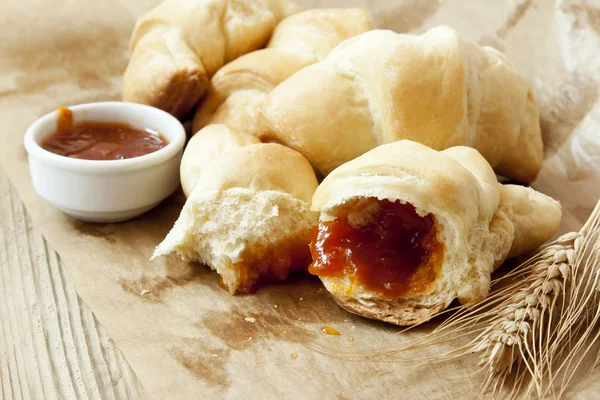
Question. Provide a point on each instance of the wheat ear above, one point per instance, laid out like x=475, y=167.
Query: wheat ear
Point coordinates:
x=536, y=331
x=515, y=339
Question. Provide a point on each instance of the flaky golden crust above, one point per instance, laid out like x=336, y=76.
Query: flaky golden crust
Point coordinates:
x=263, y=166
x=204, y=147
x=237, y=90
x=177, y=46
x=437, y=89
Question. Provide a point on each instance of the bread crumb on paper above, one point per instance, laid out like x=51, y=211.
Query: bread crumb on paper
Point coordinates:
x=143, y=292
x=294, y=356
x=250, y=319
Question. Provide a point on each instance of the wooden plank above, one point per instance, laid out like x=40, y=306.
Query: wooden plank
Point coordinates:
x=51, y=345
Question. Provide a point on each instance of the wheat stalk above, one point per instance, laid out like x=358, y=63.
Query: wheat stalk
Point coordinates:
x=536, y=331
x=516, y=337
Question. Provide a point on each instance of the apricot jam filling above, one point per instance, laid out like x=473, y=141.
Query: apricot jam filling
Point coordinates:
x=383, y=245
x=273, y=265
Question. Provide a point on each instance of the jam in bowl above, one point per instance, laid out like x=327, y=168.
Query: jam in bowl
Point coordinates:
x=105, y=162
x=100, y=140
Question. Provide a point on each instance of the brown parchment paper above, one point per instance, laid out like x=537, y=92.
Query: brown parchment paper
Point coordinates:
x=183, y=335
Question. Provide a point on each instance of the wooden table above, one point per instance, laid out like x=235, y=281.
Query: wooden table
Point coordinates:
x=51, y=345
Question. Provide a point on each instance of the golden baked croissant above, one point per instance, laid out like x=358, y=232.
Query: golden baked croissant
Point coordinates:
x=177, y=46
x=437, y=89
x=405, y=229
x=237, y=89
x=248, y=216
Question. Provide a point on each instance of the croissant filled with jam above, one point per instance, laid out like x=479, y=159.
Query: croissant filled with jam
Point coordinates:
x=404, y=230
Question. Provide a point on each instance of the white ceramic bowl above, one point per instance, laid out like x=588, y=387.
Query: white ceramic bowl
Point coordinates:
x=112, y=190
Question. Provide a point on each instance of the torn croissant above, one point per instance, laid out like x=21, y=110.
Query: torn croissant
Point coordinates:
x=248, y=216
x=405, y=229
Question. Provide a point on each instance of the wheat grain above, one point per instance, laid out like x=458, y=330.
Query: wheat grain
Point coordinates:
x=516, y=337
x=543, y=326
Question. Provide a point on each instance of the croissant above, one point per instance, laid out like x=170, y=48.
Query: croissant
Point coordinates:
x=202, y=148
x=238, y=88
x=248, y=216
x=437, y=89
x=405, y=229
x=177, y=46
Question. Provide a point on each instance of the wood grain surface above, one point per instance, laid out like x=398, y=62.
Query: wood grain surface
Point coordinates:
x=51, y=345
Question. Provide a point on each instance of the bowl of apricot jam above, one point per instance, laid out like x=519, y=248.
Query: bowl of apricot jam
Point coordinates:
x=105, y=162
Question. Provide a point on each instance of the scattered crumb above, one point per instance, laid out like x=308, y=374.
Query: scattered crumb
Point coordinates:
x=275, y=306
x=250, y=338
x=294, y=356
x=346, y=320
x=350, y=339
x=301, y=298
x=250, y=319
x=352, y=327
x=284, y=332
x=143, y=292
x=299, y=319
x=215, y=355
